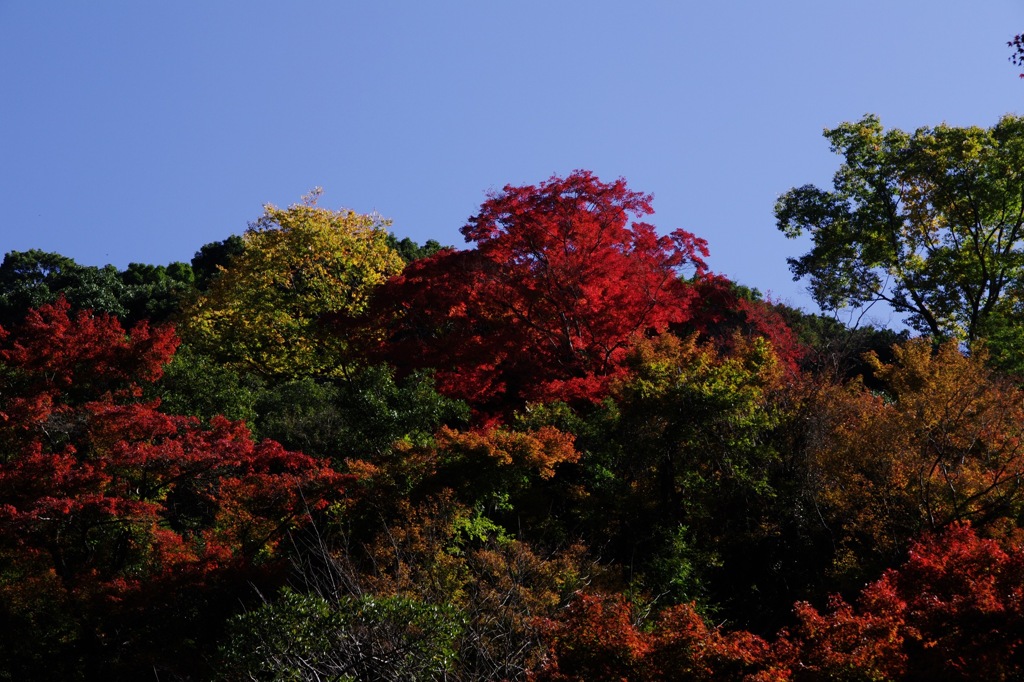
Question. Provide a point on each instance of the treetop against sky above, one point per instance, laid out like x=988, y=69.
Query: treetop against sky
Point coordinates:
x=140, y=133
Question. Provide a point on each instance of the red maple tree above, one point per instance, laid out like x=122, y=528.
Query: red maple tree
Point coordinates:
x=562, y=276
x=953, y=611
x=112, y=512
x=596, y=638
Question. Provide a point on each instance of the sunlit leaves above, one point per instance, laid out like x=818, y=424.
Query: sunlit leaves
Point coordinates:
x=263, y=312
x=563, y=274
x=929, y=222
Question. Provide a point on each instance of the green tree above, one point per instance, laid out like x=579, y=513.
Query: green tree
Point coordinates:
x=700, y=466
x=30, y=279
x=214, y=258
x=410, y=250
x=308, y=637
x=931, y=223
x=195, y=385
x=297, y=264
x=363, y=414
x=155, y=292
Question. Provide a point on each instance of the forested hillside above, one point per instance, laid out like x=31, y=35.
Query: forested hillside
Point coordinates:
x=565, y=451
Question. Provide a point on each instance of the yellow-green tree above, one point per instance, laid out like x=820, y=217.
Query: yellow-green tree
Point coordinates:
x=263, y=312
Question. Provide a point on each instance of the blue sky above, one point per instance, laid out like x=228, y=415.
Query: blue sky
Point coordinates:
x=138, y=131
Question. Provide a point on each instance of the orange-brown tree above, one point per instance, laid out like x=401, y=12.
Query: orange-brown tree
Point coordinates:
x=941, y=442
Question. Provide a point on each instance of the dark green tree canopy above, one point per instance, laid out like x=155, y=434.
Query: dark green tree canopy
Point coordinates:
x=930, y=222
x=213, y=258
x=29, y=279
x=410, y=250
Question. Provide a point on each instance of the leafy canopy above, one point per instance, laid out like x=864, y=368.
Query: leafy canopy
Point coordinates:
x=940, y=443
x=562, y=276
x=116, y=519
x=263, y=312
x=31, y=279
x=931, y=223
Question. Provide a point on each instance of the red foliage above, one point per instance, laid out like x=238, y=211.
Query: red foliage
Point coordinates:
x=87, y=355
x=723, y=314
x=546, y=304
x=964, y=606
x=684, y=647
x=953, y=611
x=52, y=361
x=596, y=639
x=107, y=495
x=844, y=643
x=119, y=464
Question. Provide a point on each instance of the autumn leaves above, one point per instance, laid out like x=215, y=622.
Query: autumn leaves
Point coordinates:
x=567, y=452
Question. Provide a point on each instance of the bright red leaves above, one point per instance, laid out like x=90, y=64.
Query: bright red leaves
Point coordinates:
x=83, y=461
x=562, y=276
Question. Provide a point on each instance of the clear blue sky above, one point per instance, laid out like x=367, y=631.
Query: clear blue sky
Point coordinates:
x=139, y=131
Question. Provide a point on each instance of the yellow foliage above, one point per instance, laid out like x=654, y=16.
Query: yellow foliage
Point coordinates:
x=298, y=265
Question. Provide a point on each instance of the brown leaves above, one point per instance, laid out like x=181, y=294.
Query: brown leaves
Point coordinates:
x=941, y=444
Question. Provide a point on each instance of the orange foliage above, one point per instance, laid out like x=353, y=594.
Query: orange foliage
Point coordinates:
x=539, y=450
x=941, y=444
x=597, y=638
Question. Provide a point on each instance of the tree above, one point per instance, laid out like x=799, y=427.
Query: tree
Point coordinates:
x=561, y=278
x=597, y=637
x=931, y=223
x=214, y=258
x=730, y=314
x=939, y=443
x=952, y=611
x=194, y=384
x=410, y=250
x=119, y=523
x=698, y=465
x=30, y=279
x=308, y=637
x=263, y=311
x=834, y=350
x=155, y=292
x=361, y=415
x=1017, y=58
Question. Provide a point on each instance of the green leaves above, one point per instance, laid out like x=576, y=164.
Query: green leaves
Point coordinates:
x=30, y=279
x=931, y=223
x=351, y=638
